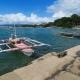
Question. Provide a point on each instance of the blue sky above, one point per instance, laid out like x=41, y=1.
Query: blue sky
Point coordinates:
x=36, y=11
x=25, y=6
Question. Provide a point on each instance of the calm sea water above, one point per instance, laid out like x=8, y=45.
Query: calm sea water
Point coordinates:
x=12, y=60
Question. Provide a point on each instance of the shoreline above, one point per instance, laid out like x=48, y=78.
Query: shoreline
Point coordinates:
x=48, y=67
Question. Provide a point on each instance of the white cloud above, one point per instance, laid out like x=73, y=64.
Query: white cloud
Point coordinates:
x=61, y=8
x=19, y=17
x=36, y=19
x=58, y=9
x=59, y=14
x=22, y=18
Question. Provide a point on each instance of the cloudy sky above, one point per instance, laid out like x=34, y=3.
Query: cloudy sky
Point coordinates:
x=36, y=11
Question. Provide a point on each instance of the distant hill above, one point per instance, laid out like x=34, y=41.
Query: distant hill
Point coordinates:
x=69, y=22
x=18, y=25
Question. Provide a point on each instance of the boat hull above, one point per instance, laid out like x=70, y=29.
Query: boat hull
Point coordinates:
x=28, y=53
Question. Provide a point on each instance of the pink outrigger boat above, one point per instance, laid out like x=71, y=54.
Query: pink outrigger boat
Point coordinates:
x=20, y=45
x=24, y=48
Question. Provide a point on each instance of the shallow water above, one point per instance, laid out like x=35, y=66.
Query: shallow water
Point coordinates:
x=12, y=60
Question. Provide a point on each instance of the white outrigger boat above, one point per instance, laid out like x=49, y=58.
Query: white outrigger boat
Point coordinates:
x=25, y=45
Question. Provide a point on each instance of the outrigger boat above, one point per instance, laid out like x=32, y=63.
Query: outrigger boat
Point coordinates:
x=67, y=34
x=25, y=45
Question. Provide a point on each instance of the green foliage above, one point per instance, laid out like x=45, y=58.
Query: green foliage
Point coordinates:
x=69, y=22
x=72, y=21
x=26, y=25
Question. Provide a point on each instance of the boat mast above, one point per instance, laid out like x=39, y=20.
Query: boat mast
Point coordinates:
x=13, y=36
x=15, y=31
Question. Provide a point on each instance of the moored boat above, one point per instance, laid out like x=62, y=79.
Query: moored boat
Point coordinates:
x=25, y=45
x=77, y=35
